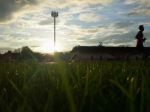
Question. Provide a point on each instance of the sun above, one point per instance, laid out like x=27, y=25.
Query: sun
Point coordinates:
x=48, y=47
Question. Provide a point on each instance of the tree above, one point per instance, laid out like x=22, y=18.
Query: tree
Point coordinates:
x=27, y=53
x=100, y=44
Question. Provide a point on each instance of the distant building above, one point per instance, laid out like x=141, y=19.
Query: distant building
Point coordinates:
x=9, y=56
x=107, y=53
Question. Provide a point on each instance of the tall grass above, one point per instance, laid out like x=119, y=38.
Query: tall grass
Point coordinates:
x=106, y=86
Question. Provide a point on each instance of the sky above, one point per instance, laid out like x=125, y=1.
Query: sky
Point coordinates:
x=80, y=22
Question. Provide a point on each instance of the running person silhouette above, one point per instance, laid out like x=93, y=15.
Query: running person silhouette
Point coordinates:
x=140, y=38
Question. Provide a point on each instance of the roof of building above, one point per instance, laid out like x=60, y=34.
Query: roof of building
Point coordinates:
x=100, y=49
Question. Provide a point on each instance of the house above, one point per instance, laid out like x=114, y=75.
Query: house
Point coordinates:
x=107, y=53
x=9, y=57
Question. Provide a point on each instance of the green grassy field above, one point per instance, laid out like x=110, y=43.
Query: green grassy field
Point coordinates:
x=107, y=86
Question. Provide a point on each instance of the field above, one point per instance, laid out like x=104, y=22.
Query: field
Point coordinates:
x=106, y=86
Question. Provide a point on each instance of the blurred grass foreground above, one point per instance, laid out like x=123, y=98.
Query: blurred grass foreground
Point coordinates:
x=106, y=86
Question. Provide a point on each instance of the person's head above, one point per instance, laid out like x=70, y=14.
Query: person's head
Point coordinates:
x=141, y=28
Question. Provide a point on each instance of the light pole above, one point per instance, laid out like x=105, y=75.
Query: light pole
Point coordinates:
x=54, y=15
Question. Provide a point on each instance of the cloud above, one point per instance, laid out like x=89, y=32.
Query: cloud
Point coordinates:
x=128, y=2
x=8, y=8
x=46, y=22
x=81, y=3
x=140, y=11
x=147, y=23
x=142, y=7
x=89, y=17
x=50, y=21
x=140, y=2
x=123, y=24
x=91, y=36
x=3, y=49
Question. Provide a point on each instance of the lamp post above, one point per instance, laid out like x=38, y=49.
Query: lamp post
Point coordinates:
x=54, y=15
